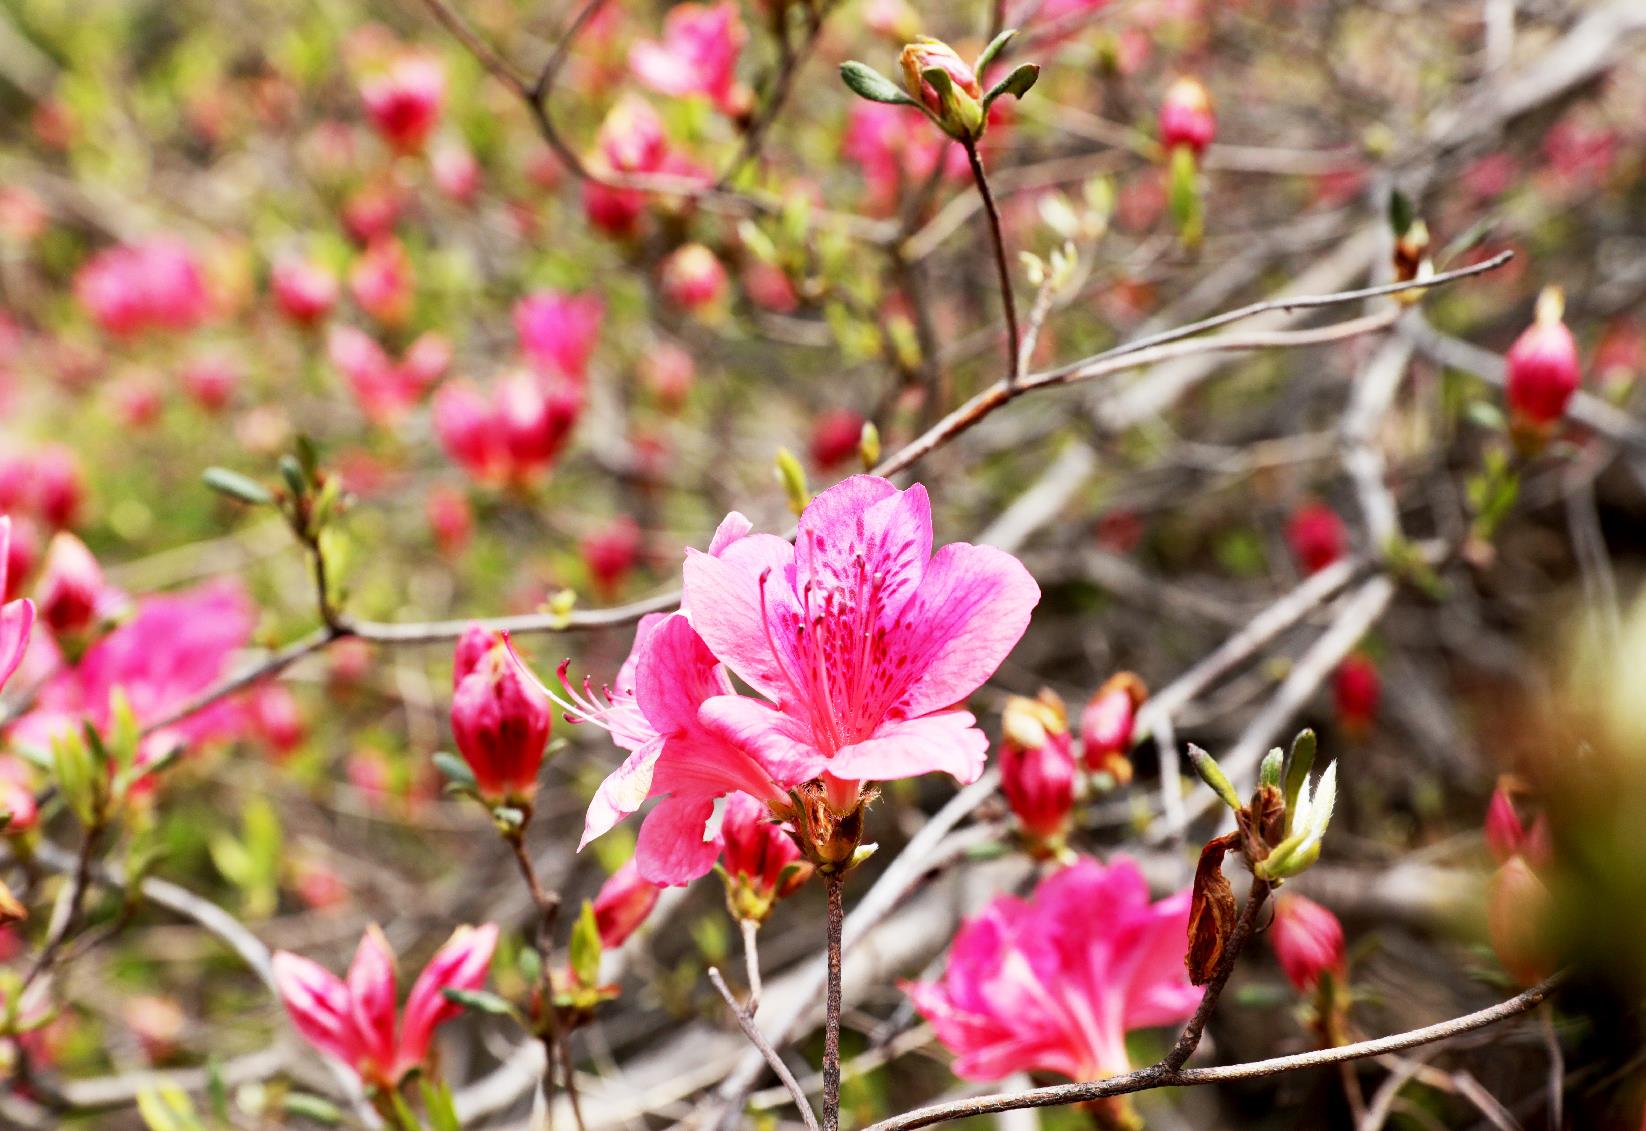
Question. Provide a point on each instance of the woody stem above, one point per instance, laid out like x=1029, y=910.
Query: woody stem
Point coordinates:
x=1189, y=1039
x=831, y=1025
x=1013, y=362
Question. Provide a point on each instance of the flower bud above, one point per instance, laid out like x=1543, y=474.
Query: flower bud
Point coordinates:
x=211, y=381
x=403, y=99
x=1542, y=370
x=450, y=519
x=1037, y=769
x=610, y=555
x=71, y=586
x=1308, y=941
x=1517, y=914
x=1316, y=537
x=761, y=860
x=959, y=106
x=836, y=435
x=501, y=723
x=1186, y=117
x=1106, y=726
x=381, y=282
x=1507, y=836
x=304, y=290
x=693, y=278
x=1357, y=688
x=623, y=904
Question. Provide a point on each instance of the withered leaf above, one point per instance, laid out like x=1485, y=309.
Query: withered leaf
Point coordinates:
x=1212, y=911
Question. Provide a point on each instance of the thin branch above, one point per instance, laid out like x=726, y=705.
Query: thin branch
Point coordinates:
x=1014, y=360
x=831, y=1023
x=746, y=1022
x=1158, y=1076
x=1189, y=1039
x=751, y=962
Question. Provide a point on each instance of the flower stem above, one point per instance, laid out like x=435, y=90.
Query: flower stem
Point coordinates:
x=1013, y=369
x=831, y=1025
x=1189, y=1039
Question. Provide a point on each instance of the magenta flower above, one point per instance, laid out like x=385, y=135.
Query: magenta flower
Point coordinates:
x=403, y=99
x=16, y=617
x=860, y=639
x=304, y=289
x=146, y=286
x=698, y=55
x=500, y=720
x=354, y=1020
x=622, y=904
x=512, y=435
x=72, y=592
x=1054, y=983
x=384, y=388
x=895, y=147
x=558, y=331
x=381, y=281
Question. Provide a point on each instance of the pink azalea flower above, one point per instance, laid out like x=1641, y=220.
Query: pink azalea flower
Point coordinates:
x=72, y=592
x=16, y=617
x=455, y=170
x=837, y=436
x=511, y=435
x=500, y=719
x=1308, y=940
x=610, y=554
x=558, y=331
x=304, y=290
x=761, y=860
x=693, y=278
x=1054, y=983
x=381, y=281
x=173, y=647
x=386, y=389
x=698, y=55
x=1316, y=536
x=623, y=903
x=896, y=147
x=861, y=641
x=211, y=380
x=353, y=1020
x=1186, y=117
x=147, y=286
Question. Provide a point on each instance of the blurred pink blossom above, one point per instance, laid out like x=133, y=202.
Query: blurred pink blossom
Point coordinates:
x=697, y=55
x=403, y=98
x=558, y=331
x=154, y=285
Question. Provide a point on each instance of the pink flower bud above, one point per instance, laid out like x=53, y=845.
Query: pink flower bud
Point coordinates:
x=304, y=290
x=836, y=438
x=1308, y=941
x=276, y=718
x=501, y=724
x=1542, y=368
x=697, y=55
x=534, y=417
x=610, y=554
x=404, y=98
x=1186, y=117
x=456, y=173
x=71, y=586
x=476, y=643
x=381, y=282
x=622, y=905
x=211, y=381
x=558, y=331
x=463, y=421
x=1106, y=726
x=693, y=278
x=1507, y=836
x=1517, y=921
x=1316, y=536
x=1037, y=769
x=762, y=862
x=59, y=490
x=1357, y=688
x=451, y=519
x=925, y=54
x=372, y=212
x=460, y=964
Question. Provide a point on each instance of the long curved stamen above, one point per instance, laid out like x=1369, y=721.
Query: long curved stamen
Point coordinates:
x=620, y=716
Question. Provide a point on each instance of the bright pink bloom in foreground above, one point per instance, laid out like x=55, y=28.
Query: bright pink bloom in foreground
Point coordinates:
x=698, y=55
x=1308, y=941
x=354, y=1020
x=1543, y=370
x=558, y=331
x=144, y=286
x=1054, y=984
x=403, y=99
x=16, y=617
x=1317, y=537
x=499, y=718
x=624, y=901
x=174, y=647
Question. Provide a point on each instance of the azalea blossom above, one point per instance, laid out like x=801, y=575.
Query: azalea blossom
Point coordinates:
x=761, y=860
x=1054, y=983
x=304, y=289
x=558, y=331
x=16, y=617
x=499, y=719
x=155, y=285
x=622, y=904
x=510, y=434
x=385, y=388
x=404, y=97
x=354, y=1020
x=1308, y=940
x=697, y=55
x=896, y=147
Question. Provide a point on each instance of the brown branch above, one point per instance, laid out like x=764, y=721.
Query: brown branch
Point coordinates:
x=1158, y=1076
x=831, y=1023
x=1189, y=1039
x=1014, y=360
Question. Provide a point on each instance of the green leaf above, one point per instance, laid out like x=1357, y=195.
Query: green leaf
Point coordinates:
x=439, y=1106
x=480, y=1001
x=456, y=772
x=1298, y=765
x=995, y=47
x=292, y=472
x=1016, y=84
x=1401, y=212
x=866, y=82
x=307, y=455
x=1269, y=772
x=236, y=486
x=313, y=1107
x=586, y=948
x=1212, y=774
x=1183, y=196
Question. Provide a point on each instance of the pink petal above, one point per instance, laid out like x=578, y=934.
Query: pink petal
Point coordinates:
x=731, y=528
x=371, y=996
x=864, y=531
x=673, y=847
x=318, y=1004
x=969, y=613
x=623, y=792
x=739, y=626
x=16, y=623
x=948, y=741
x=675, y=674
x=775, y=749
x=460, y=964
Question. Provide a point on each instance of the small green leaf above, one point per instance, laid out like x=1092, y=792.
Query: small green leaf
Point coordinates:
x=456, y=772
x=480, y=1001
x=586, y=948
x=1016, y=84
x=292, y=472
x=1298, y=765
x=1401, y=212
x=313, y=1107
x=236, y=486
x=993, y=50
x=1212, y=774
x=1269, y=772
x=307, y=455
x=866, y=82
x=439, y=1106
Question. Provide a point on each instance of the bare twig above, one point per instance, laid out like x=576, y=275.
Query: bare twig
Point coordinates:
x=1014, y=360
x=831, y=1017
x=1189, y=1039
x=745, y=1021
